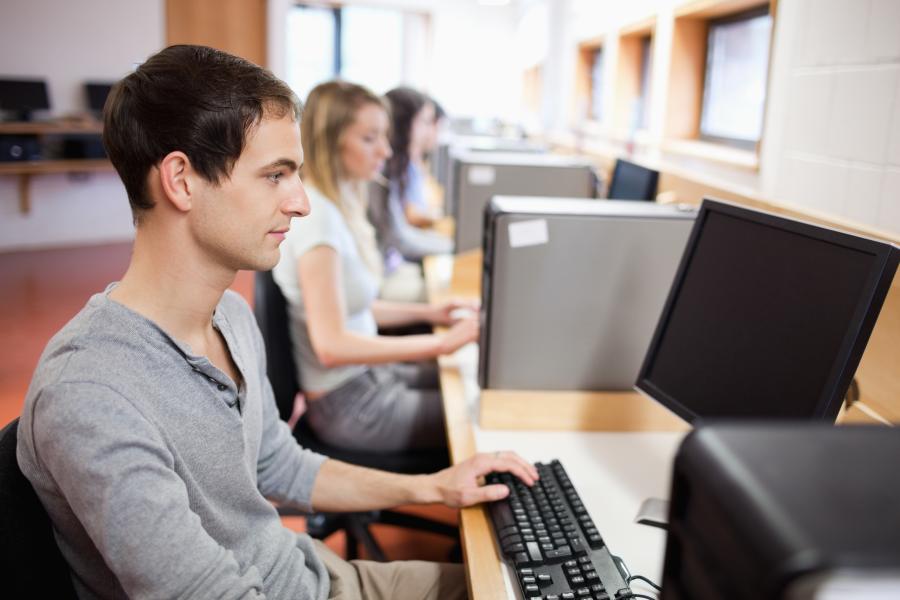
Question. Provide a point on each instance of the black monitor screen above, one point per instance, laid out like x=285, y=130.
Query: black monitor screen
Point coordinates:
x=23, y=95
x=767, y=317
x=632, y=182
x=96, y=94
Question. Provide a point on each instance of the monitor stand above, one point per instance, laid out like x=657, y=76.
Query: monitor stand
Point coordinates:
x=653, y=512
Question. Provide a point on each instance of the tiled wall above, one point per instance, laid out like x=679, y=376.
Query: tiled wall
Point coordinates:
x=832, y=142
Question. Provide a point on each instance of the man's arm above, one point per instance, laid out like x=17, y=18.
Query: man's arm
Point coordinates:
x=342, y=487
x=117, y=476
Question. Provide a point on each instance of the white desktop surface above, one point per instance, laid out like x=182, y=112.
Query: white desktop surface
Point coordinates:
x=614, y=472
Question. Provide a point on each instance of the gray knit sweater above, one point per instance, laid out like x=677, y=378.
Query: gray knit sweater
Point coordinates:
x=154, y=467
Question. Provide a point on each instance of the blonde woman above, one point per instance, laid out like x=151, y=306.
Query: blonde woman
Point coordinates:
x=365, y=391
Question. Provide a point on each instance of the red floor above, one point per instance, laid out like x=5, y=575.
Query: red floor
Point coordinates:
x=41, y=290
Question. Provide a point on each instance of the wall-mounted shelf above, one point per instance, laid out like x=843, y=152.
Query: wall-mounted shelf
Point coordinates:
x=24, y=170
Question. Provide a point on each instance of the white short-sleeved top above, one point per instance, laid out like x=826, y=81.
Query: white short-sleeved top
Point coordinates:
x=324, y=226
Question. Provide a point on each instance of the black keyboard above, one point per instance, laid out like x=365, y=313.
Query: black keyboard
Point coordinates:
x=548, y=537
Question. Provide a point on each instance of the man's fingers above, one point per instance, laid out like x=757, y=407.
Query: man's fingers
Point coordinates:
x=511, y=462
x=488, y=493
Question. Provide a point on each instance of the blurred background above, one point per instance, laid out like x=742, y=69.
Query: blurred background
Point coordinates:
x=793, y=102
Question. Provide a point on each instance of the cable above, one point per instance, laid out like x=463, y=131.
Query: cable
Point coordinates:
x=645, y=580
x=633, y=595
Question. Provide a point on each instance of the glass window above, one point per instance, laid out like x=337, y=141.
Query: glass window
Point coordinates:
x=596, y=111
x=379, y=48
x=643, y=103
x=311, y=57
x=363, y=30
x=734, y=94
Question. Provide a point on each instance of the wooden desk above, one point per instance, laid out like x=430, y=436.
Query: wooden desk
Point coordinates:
x=613, y=470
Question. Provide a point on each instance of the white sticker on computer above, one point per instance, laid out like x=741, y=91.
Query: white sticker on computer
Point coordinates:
x=528, y=233
x=482, y=175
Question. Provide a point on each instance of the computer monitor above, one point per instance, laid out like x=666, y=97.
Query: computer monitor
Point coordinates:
x=767, y=317
x=631, y=181
x=20, y=97
x=96, y=95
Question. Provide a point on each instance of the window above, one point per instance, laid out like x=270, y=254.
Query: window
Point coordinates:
x=364, y=30
x=324, y=43
x=312, y=56
x=596, y=108
x=734, y=91
x=643, y=101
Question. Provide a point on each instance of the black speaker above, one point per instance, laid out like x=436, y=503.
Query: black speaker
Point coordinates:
x=19, y=147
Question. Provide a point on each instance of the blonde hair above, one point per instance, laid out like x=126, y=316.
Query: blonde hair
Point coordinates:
x=330, y=109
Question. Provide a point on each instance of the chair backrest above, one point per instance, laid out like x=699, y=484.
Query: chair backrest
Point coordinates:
x=270, y=308
x=32, y=562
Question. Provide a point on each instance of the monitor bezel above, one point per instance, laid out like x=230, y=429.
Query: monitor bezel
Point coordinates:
x=94, y=85
x=856, y=338
x=24, y=112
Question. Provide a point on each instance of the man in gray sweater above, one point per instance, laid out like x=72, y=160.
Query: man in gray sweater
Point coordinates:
x=149, y=431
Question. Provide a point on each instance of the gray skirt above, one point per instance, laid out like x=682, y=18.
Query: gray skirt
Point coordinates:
x=388, y=408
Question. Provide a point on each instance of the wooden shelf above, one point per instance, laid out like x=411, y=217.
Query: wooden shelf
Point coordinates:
x=24, y=170
x=51, y=127
x=45, y=167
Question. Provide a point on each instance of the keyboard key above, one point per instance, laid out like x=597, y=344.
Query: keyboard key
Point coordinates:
x=534, y=551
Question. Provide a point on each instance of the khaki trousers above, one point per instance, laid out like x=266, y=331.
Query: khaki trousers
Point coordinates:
x=397, y=580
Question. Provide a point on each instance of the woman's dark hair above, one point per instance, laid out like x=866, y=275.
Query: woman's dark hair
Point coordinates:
x=405, y=104
x=195, y=99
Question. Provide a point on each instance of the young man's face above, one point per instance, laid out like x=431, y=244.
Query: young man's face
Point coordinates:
x=364, y=143
x=242, y=221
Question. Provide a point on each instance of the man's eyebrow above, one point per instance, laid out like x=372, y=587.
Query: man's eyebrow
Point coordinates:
x=282, y=162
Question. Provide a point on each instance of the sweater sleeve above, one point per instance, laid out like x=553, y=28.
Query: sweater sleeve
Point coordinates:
x=118, y=477
x=286, y=473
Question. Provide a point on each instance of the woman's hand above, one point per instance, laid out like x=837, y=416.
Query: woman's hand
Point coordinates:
x=460, y=333
x=452, y=311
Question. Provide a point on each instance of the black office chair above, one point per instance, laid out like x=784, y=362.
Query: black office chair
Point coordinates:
x=270, y=309
x=32, y=562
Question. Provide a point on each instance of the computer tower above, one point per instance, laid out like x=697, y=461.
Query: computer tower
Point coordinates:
x=476, y=143
x=478, y=176
x=14, y=148
x=789, y=511
x=572, y=289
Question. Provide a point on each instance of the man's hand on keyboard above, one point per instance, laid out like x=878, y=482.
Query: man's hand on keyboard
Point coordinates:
x=459, y=485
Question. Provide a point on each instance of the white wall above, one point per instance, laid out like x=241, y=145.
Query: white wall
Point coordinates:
x=832, y=140
x=68, y=43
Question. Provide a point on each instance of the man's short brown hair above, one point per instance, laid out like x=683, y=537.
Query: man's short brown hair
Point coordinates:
x=195, y=99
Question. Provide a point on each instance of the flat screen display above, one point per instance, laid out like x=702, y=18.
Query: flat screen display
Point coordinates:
x=767, y=317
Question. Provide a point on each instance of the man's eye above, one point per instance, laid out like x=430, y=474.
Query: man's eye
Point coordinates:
x=275, y=177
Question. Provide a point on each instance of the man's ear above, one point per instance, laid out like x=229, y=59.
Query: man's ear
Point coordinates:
x=178, y=181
